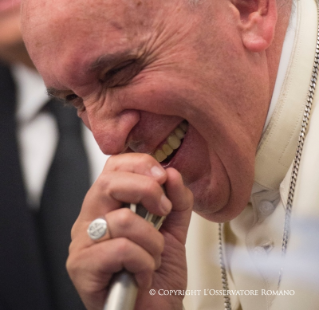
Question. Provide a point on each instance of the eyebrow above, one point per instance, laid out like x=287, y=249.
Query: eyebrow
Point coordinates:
x=110, y=60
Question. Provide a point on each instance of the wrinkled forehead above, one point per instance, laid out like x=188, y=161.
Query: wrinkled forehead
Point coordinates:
x=32, y=9
x=50, y=27
x=45, y=18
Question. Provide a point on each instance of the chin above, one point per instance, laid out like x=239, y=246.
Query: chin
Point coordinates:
x=210, y=198
x=217, y=203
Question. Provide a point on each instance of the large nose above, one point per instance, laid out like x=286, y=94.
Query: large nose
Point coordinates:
x=111, y=130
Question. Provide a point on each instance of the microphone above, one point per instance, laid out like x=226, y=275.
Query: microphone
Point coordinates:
x=123, y=287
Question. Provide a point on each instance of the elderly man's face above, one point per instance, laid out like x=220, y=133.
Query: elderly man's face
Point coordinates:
x=137, y=69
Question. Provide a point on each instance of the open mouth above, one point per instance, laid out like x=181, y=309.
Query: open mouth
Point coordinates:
x=166, y=151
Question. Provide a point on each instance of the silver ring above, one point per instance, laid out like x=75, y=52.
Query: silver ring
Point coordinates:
x=97, y=229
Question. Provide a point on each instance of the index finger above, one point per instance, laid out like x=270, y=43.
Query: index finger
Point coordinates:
x=138, y=163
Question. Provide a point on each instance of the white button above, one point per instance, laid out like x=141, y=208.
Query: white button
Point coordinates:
x=266, y=207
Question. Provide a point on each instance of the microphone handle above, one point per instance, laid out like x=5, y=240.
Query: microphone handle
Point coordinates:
x=123, y=287
x=122, y=292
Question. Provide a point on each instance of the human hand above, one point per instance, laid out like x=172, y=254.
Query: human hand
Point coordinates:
x=156, y=259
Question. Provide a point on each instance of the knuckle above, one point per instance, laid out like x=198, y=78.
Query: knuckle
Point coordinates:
x=88, y=289
x=71, y=266
x=103, y=181
x=148, y=266
x=151, y=266
x=123, y=247
x=72, y=246
x=156, y=240
x=144, y=162
x=144, y=279
x=124, y=218
x=151, y=186
x=144, y=158
x=111, y=162
x=74, y=263
x=74, y=230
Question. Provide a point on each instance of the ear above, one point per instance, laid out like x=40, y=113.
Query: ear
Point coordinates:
x=257, y=20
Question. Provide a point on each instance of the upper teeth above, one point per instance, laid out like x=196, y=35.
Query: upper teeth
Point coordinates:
x=173, y=142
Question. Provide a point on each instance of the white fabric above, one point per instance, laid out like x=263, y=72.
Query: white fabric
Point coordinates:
x=253, y=253
x=283, y=65
x=38, y=134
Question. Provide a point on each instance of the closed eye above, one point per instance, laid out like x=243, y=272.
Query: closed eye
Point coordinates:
x=121, y=75
x=67, y=98
x=75, y=101
x=71, y=97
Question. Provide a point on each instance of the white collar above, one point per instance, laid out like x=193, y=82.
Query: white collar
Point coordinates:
x=279, y=141
x=31, y=92
x=284, y=63
x=282, y=70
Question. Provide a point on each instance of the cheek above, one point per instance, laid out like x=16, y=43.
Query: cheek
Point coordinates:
x=212, y=190
x=162, y=92
x=84, y=116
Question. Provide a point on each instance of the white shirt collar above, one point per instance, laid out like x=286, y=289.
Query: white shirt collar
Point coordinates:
x=284, y=63
x=282, y=69
x=31, y=92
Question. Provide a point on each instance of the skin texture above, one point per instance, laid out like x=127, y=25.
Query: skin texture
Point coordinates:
x=135, y=70
x=156, y=258
x=12, y=48
x=140, y=110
